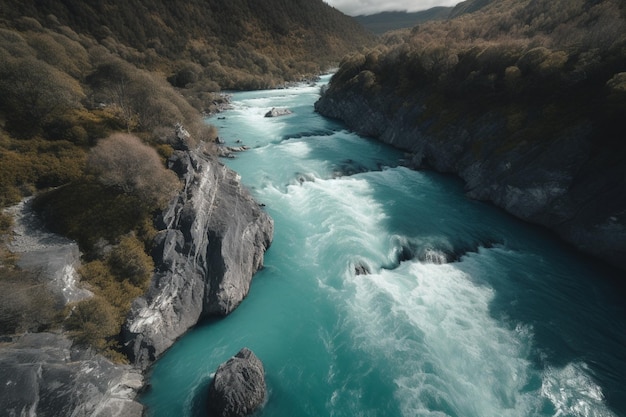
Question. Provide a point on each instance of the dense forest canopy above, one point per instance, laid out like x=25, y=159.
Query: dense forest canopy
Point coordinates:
x=237, y=44
x=96, y=95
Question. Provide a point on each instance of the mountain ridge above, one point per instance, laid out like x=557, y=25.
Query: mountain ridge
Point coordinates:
x=379, y=23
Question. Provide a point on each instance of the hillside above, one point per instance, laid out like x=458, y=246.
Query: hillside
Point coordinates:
x=380, y=23
x=239, y=44
x=525, y=100
x=96, y=97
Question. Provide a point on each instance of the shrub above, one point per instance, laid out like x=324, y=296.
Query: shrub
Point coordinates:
x=129, y=262
x=123, y=162
x=26, y=304
x=92, y=322
x=32, y=92
x=88, y=212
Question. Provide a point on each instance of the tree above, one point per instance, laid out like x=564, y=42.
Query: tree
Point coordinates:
x=129, y=261
x=91, y=322
x=33, y=91
x=123, y=162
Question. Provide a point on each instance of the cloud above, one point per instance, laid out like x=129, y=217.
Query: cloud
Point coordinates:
x=365, y=7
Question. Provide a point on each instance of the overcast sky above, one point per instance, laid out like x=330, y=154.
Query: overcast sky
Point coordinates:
x=365, y=7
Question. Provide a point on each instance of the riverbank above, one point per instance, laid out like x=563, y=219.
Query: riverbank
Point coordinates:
x=212, y=241
x=564, y=182
x=388, y=292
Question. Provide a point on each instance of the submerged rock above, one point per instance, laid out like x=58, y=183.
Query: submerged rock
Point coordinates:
x=277, y=112
x=361, y=269
x=213, y=241
x=43, y=375
x=238, y=388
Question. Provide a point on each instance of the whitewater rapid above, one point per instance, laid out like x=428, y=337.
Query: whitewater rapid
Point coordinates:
x=387, y=292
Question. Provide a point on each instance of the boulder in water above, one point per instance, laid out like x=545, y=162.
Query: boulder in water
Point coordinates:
x=238, y=388
x=277, y=112
x=361, y=269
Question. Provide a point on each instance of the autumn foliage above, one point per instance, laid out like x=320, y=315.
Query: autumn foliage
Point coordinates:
x=123, y=162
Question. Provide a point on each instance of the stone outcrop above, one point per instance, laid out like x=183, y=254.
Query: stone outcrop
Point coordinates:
x=43, y=375
x=559, y=182
x=277, y=112
x=229, y=151
x=213, y=240
x=238, y=388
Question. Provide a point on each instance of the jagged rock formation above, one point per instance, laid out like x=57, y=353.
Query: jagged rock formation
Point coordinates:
x=43, y=375
x=238, y=388
x=214, y=239
x=557, y=183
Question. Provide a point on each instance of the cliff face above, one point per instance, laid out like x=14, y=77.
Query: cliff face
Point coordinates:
x=563, y=182
x=214, y=239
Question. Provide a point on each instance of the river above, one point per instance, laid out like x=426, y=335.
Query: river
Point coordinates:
x=465, y=311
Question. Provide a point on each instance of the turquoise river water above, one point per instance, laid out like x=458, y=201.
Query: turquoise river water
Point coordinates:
x=466, y=312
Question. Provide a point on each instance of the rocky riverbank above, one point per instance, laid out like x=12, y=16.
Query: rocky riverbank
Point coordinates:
x=213, y=240
x=564, y=182
x=44, y=375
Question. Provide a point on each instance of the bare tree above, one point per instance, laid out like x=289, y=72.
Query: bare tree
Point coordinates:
x=122, y=161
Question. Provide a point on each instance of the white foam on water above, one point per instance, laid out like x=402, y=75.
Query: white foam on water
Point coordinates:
x=434, y=256
x=572, y=392
x=295, y=148
x=447, y=354
x=431, y=326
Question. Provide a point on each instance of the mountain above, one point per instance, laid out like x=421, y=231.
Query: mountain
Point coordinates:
x=524, y=100
x=380, y=23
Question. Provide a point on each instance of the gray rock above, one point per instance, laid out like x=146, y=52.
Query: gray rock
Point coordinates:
x=558, y=183
x=214, y=239
x=362, y=269
x=229, y=151
x=42, y=375
x=238, y=388
x=48, y=254
x=277, y=112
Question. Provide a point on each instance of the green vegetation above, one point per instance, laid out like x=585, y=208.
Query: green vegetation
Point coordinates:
x=542, y=65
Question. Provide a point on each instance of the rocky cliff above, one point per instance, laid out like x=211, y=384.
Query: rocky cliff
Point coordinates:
x=563, y=182
x=43, y=375
x=213, y=240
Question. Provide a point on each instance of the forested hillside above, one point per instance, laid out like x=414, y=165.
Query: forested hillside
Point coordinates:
x=524, y=99
x=239, y=44
x=95, y=96
x=380, y=23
